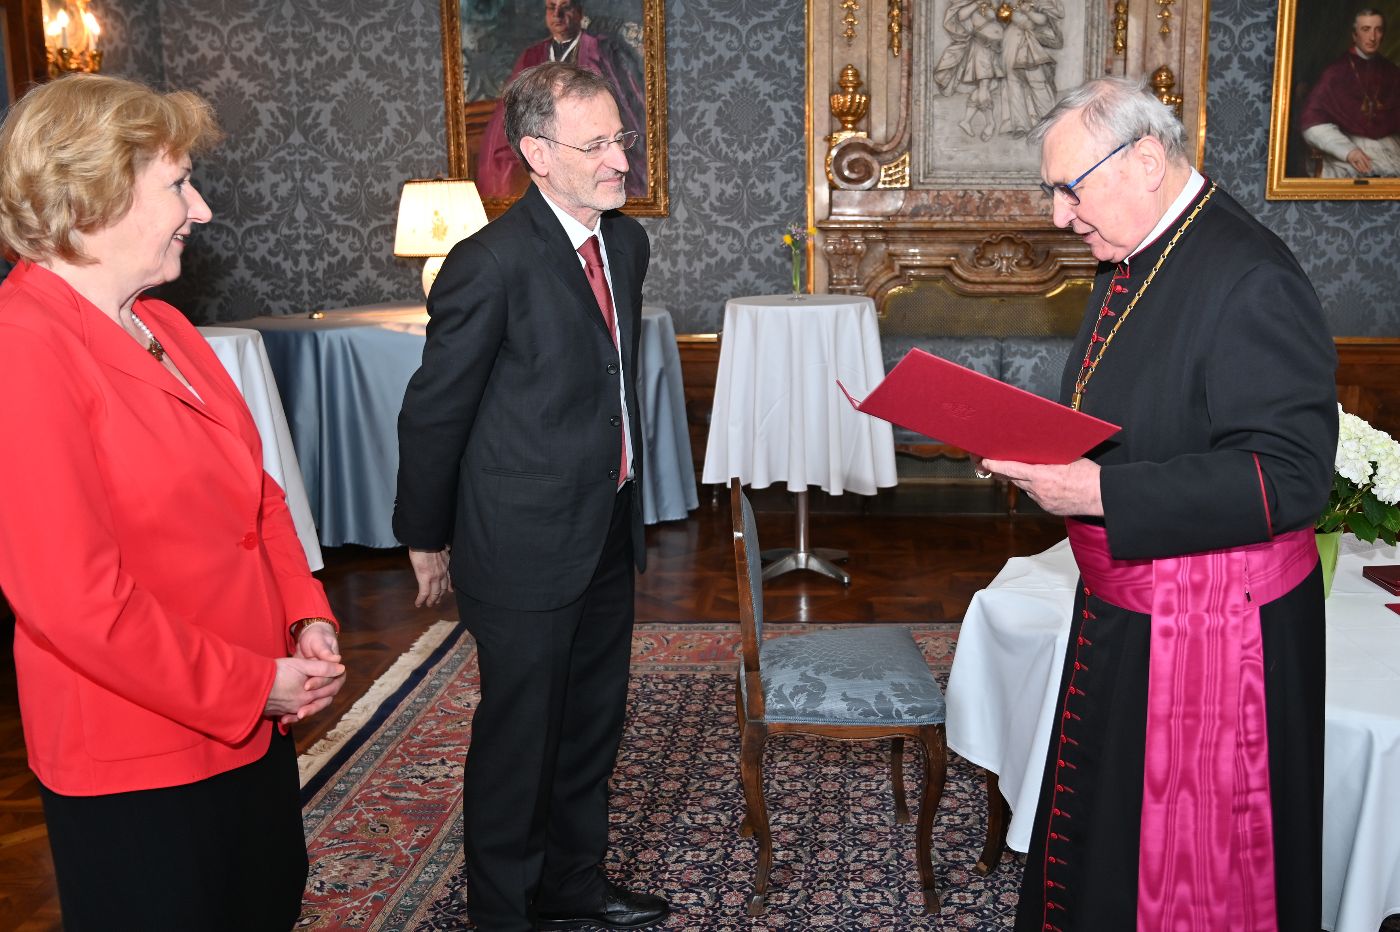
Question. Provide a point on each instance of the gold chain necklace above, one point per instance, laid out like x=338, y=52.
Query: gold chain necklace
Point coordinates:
x=1087, y=372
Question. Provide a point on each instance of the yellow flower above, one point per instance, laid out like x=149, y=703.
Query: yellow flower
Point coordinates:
x=787, y=239
x=811, y=231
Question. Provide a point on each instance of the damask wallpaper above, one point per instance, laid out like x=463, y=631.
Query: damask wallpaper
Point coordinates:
x=330, y=105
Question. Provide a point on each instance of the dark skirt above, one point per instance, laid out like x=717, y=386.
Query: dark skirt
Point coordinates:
x=1091, y=883
x=225, y=854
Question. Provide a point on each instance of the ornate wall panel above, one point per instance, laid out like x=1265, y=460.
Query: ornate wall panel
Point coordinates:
x=936, y=179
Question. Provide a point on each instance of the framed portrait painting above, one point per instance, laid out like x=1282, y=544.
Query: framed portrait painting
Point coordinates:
x=1334, y=127
x=486, y=42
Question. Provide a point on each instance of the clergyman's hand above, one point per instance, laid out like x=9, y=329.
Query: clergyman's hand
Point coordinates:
x=1072, y=489
x=1359, y=161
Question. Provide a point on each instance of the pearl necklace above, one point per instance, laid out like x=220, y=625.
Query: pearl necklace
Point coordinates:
x=153, y=346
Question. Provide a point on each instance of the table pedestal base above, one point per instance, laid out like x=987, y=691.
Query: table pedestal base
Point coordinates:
x=803, y=557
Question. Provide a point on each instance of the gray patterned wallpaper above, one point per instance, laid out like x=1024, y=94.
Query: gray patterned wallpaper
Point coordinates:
x=331, y=104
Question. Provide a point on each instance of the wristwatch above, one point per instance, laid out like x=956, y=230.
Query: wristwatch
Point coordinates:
x=298, y=627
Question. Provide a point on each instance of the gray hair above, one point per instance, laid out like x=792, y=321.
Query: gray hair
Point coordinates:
x=1118, y=110
x=1366, y=11
x=531, y=98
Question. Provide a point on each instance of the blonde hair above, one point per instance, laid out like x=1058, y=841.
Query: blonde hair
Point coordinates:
x=70, y=151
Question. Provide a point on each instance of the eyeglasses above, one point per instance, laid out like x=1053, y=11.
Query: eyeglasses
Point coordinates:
x=623, y=141
x=1067, y=190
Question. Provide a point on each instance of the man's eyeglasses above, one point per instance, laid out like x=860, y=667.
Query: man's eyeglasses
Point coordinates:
x=1067, y=190
x=623, y=141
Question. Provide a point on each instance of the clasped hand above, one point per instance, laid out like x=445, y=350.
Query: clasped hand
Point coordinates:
x=307, y=681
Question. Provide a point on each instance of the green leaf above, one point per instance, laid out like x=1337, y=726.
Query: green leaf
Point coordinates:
x=1362, y=528
x=1373, y=509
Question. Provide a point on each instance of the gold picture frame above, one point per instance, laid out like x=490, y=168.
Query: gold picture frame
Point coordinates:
x=468, y=118
x=1311, y=35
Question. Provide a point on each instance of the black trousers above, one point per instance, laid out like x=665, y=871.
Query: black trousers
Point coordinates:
x=544, y=741
x=225, y=854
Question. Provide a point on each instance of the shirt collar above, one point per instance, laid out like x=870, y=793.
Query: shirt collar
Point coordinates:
x=1188, y=193
x=575, y=231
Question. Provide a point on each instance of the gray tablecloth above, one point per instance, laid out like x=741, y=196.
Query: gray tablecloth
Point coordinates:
x=343, y=377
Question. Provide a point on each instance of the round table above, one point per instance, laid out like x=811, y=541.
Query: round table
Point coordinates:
x=779, y=416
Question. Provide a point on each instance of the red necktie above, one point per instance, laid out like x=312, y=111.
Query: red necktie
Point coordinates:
x=598, y=281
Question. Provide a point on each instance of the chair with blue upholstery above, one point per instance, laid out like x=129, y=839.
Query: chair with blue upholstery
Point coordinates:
x=851, y=683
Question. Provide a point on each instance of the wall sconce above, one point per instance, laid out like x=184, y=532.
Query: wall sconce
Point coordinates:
x=435, y=215
x=71, y=35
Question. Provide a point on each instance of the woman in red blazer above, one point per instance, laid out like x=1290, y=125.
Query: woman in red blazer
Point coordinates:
x=168, y=629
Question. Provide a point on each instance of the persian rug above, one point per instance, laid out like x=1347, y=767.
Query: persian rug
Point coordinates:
x=384, y=825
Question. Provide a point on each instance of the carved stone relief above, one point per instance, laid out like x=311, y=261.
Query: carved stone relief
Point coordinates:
x=940, y=181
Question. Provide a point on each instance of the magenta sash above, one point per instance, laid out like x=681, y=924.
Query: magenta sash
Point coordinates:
x=1206, y=856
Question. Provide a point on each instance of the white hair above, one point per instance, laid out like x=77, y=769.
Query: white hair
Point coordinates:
x=1118, y=110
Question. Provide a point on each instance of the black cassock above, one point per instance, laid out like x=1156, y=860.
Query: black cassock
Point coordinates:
x=1222, y=378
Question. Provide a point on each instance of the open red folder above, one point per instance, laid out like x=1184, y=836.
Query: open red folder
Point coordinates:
x=986, y=417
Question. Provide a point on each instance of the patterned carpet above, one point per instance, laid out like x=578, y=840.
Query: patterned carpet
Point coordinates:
x=383, y=812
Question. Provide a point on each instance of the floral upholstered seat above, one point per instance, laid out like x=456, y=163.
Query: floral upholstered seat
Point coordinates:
x=852, y=676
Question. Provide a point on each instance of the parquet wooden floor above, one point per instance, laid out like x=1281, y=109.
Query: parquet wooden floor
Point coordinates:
x=905, y=566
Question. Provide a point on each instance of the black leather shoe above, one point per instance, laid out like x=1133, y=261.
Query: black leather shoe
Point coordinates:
x=621, y=909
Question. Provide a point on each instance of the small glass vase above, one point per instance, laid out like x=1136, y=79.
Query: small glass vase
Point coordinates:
x=1327, y=546
x=796, y=276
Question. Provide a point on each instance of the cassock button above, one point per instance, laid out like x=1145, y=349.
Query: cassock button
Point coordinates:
x=612, y=368
x=249, y=541
x=615, y=421
x=612, y=474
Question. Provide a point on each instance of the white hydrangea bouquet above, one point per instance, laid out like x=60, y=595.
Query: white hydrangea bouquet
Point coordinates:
x=1366, y=485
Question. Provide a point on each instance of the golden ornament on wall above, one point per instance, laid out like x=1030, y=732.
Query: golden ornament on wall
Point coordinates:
x=850, y=106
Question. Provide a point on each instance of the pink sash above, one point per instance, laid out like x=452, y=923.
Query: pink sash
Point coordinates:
x=1205, y=785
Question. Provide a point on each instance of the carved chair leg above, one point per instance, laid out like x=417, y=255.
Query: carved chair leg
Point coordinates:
x=998, y=821
x=751, y=770
x=745, y=826
x=935, y=744
x=901, y=807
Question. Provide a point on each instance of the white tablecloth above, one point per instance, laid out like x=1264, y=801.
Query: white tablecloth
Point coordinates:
x=1001, y=702
x=241, y=351
x=778, y=415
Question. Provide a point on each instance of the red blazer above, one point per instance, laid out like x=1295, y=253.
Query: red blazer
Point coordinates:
x=152, y=565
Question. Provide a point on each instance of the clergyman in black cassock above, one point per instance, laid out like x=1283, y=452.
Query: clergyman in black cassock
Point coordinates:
x=1221, y=374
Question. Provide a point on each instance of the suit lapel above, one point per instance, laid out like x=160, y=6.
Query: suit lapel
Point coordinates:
x=559, y=256
x=620, y=270
x=104, y=338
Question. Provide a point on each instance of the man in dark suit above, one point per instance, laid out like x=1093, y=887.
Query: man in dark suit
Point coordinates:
x=520, y=453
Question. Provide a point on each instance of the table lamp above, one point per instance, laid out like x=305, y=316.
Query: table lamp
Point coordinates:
x=434, y=215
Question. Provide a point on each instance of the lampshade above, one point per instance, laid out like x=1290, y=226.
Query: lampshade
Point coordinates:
x=435, y=215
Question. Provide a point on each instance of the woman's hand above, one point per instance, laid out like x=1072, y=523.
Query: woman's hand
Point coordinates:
x=317, y=641
x=303, y=686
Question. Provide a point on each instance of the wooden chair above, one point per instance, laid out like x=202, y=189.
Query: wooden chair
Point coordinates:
x=852, y=683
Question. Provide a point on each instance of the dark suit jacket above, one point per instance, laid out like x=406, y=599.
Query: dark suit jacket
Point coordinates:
x=508, y=437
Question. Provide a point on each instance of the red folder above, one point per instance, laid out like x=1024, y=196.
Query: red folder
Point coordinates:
x=988, y=418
